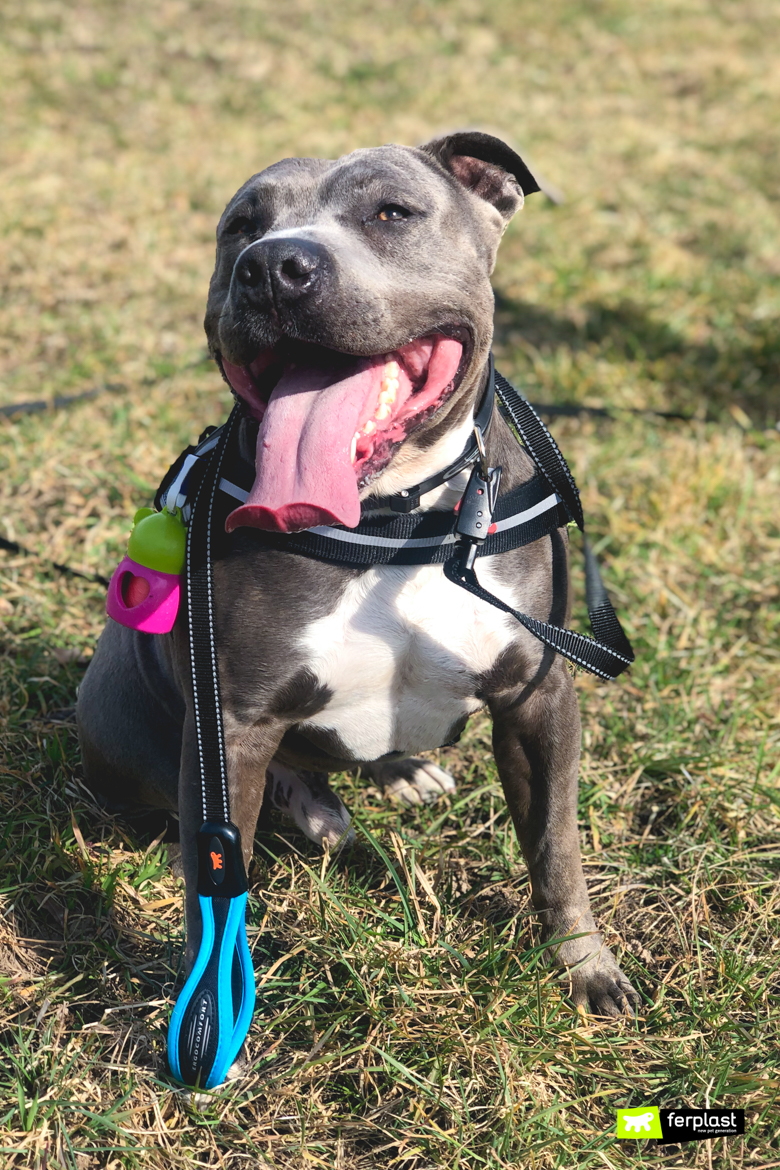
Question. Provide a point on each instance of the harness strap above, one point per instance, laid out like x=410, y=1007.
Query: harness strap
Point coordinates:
x=609, y=652
x=523, y=515
x=598, y=655
x=177, y=487
x=541, y=447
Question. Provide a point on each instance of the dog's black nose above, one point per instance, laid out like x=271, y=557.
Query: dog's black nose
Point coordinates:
x=293, y=268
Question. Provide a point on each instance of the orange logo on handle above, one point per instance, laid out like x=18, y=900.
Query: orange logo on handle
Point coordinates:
x=216, y=861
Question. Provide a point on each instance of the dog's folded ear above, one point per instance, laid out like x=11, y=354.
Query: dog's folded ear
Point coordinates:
x=486, y=166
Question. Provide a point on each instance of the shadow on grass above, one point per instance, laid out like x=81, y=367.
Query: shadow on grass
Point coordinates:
x=738, y=366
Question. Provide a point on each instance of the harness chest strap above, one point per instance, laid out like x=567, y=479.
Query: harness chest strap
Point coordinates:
x=522, y=516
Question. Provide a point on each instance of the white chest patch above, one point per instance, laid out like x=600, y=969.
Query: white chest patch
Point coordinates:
x=400, y=654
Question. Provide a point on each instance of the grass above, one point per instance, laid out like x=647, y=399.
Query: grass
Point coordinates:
x=405, y=1018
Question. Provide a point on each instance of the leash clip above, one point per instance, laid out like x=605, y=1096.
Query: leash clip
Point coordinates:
x=478, y=502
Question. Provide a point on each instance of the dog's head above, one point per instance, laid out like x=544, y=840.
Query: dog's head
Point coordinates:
x=351, y=309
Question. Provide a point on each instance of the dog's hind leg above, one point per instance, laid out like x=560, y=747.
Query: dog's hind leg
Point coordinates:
x=129, y=721
x=536, y=741
x=312, y=804
x=410, y=781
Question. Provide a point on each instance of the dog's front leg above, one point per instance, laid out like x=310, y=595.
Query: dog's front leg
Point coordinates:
x=536, y=742
x=249, y=752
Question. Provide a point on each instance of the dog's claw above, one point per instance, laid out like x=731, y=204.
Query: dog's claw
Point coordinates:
x=596, y=984
x=603, y=990
x=611, y=1001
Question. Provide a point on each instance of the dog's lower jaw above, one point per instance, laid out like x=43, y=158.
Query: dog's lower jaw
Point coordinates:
x=408, y=469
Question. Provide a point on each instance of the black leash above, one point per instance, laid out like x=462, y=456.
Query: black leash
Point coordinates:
x=13, y=546
x=608, y=653
x=541, y=446
x=213, y=1012
x=200, y=621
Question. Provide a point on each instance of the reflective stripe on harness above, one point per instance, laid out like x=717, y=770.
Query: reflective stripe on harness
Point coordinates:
x=371, y=540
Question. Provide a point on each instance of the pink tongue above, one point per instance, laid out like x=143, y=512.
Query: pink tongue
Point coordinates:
x=303, y=472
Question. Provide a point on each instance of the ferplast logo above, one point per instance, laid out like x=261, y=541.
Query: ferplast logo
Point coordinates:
x=217, y=859
x=674, y=1126
x=642, y=1122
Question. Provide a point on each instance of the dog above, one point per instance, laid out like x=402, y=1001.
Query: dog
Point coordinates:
x=351, y=312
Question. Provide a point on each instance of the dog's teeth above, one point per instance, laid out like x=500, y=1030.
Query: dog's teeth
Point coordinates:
x=392, y=370
x=369, y=427
x=387, y=393
x=353, y=447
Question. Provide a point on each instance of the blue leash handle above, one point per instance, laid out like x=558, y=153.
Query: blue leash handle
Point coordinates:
x=214, y=1010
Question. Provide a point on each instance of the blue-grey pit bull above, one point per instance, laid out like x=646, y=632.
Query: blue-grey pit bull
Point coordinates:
x=351, y=312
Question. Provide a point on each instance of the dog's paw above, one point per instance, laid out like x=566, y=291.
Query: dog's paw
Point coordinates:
x=412, y=781
x=308, y=799
x=597, y=985
x=591, y=975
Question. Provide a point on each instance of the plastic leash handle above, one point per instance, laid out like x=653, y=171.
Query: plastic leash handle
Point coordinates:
x=213, y=1012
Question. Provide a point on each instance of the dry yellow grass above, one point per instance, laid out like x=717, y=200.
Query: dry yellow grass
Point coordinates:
x=394, y=1032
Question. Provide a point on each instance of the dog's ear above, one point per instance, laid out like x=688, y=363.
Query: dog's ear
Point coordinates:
x=486, y=166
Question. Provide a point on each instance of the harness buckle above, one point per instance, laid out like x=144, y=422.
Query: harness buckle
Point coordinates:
x=475, y=514
x=404, y=501
x=177, y=493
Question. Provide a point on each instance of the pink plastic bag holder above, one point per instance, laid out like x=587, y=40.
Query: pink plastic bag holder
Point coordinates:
x=156, y=614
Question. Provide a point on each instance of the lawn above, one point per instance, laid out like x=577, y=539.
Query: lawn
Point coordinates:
x=405, y=1017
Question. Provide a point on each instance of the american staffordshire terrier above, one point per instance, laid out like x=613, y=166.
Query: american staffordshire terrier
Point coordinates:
x=351, y=312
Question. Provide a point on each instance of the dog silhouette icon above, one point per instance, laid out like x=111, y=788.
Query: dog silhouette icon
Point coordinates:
x=638, y=1122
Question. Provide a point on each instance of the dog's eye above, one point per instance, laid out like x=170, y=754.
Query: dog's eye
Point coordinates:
x=392, y=213
x=239, y=226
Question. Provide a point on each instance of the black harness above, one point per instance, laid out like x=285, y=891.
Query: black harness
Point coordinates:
x=484, y=523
